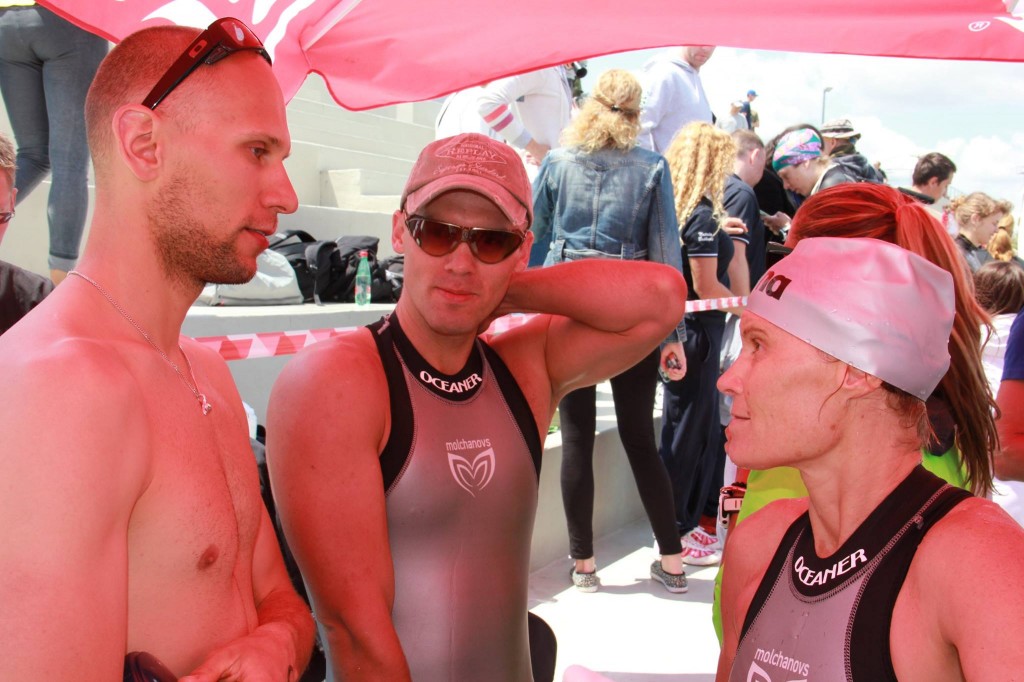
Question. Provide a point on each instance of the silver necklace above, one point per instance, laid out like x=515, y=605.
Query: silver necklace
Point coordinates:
x=200, y=397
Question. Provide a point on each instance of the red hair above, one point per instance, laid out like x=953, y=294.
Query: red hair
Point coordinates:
x=881, y=212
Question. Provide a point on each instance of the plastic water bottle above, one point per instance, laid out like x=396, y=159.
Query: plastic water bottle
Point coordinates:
x=363, y=279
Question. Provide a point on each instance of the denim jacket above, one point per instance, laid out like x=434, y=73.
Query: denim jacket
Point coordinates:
x=606, y=204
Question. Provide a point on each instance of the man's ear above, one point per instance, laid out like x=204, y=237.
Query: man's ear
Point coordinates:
x=397, y=231
x=136, y=136
x=523, y=257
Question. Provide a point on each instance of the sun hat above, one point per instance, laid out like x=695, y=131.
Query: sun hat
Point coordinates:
x=871, y=304
x=796, y=147
x=839, y=128
x=473, y=162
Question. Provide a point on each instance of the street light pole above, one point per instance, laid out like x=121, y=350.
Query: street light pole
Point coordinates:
x=824, y=94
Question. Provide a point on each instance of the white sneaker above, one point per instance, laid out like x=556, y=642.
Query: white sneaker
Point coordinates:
x=701, y=549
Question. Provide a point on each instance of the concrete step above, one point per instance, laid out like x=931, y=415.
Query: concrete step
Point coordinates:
x=422, y=113
x=381, y=136
x=405, y=127
x=366, y=182
x=331, y=158
x=361, y=190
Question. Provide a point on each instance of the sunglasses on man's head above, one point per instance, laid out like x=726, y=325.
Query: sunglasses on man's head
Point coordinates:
x=223, y=37
x=439, y=239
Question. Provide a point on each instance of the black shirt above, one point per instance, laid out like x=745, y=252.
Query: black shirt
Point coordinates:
x=20, y=292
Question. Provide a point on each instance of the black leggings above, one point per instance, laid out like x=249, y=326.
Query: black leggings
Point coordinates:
x=633, y=391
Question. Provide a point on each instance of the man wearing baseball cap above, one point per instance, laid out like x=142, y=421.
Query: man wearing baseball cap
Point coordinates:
x=409, y=498
x=843, y=340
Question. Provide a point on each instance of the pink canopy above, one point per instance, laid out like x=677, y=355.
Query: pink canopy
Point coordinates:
x=378, y=52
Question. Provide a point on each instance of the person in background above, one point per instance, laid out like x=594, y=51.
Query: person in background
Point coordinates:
x=740, y=202
x=933, y=174
x=746, y=108
x=458, y=114
x=960, y=409
x=1000, y=246
x=20, y=290
x=779, y=204
x=46, y=66
x=700, y=158
x=601, y=196
x=999, y=286
x=977, y=217
x=840, y=145
x=853, y=582
x=673, y=95
x=735, y=120
x=801, y=162
x=529, y=111
x=1009, y=459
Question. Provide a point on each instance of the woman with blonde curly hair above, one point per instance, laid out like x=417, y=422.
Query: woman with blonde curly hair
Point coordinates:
x=601, y=196
x=700, y=157
x=977, y=215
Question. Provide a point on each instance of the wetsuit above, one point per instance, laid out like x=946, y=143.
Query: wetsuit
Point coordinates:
x=460, y=469
x=828, y=619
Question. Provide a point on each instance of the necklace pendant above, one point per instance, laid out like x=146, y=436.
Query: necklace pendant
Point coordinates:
x=205, y=404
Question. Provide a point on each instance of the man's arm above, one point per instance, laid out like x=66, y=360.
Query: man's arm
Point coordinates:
x=663, y=245
x=73, y=463
x=543, y=215
x=279, y=648
x=739, y=269
x=495, y=105
x=704, y=271
x=1009, y=459
x=604, y=317
x=330, y=495
x=652, y=108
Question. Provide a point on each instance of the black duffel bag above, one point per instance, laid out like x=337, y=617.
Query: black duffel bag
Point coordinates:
x=326, y=270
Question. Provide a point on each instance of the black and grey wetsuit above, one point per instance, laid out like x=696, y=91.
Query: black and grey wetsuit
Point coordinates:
x=460, y=468
x=827, y=619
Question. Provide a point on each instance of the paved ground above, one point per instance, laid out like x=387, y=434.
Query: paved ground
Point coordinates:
x=631, y=629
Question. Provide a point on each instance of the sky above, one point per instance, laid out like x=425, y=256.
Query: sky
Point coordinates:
x=971, y=111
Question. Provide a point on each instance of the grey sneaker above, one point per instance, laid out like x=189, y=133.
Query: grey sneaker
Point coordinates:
x=584, y=582
x=674, y=583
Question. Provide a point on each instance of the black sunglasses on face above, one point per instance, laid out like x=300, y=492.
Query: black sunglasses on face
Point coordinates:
x=439, y=239
x=224, y=37
x=5, y=217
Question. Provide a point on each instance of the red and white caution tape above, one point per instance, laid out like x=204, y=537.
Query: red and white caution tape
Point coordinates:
x=276, y=344
x=707, y=304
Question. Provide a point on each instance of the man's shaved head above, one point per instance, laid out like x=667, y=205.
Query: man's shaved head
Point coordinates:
x=127, y=75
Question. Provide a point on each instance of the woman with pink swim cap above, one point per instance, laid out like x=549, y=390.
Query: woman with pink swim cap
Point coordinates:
x=960, y=409
x=844, y=341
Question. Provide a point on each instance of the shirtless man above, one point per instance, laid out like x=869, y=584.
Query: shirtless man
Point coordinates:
x=842, y=342
x=130, y=499
x=405, y=456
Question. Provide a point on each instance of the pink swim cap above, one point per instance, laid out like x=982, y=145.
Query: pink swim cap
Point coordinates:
x=869, y=303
